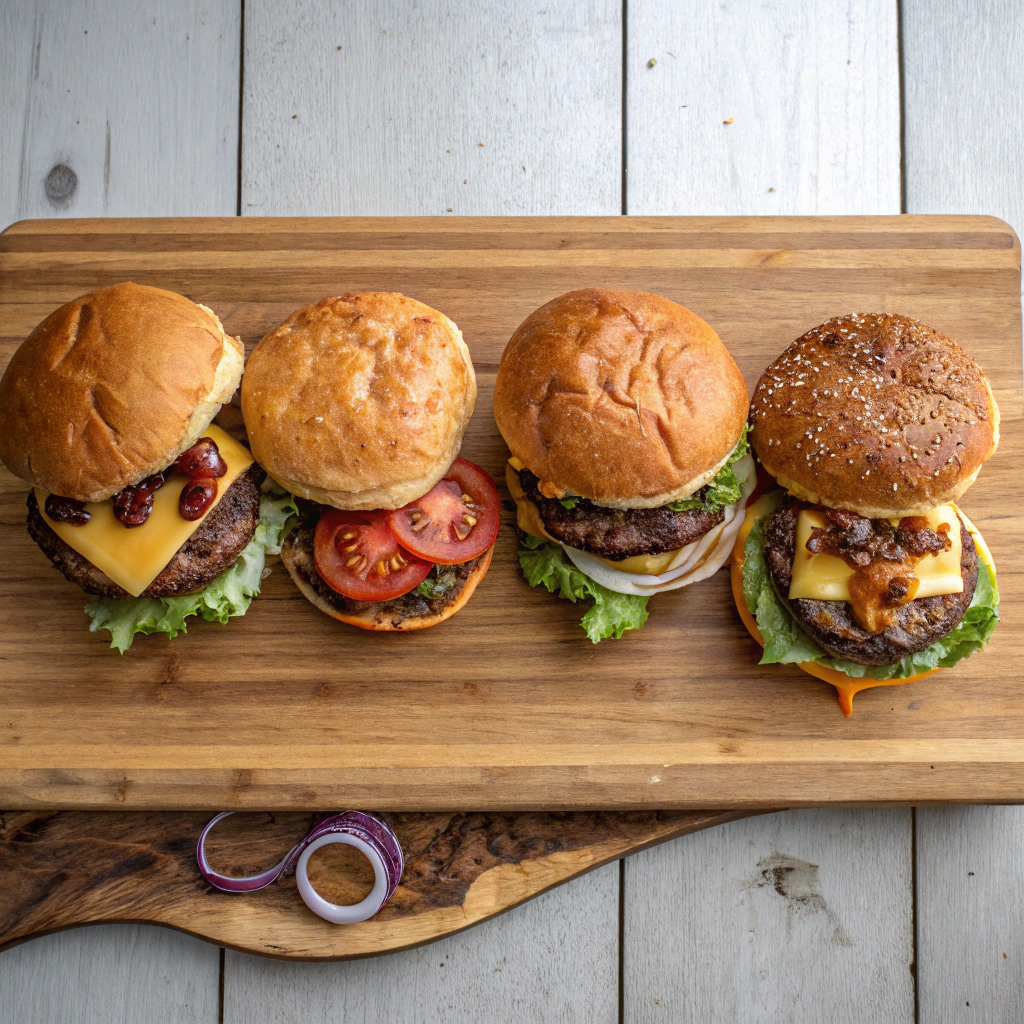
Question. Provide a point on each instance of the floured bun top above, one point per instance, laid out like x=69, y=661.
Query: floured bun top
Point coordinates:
x=112, y=387
x=624, y=398
x=359, y=401
x=874, y=413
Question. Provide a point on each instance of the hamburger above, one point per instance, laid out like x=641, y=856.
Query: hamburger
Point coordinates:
x=357, y=405
x=861, y=567
x=137, y=497
x=626, y=418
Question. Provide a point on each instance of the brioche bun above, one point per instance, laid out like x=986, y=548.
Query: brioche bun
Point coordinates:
x=624, y=398
x=874, y=413
x=359, y=401
x=112, y=387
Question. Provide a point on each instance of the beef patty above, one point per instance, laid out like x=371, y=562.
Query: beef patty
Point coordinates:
x=449, y=578
x=615, y=533
x=198, y=562
x=919, y=623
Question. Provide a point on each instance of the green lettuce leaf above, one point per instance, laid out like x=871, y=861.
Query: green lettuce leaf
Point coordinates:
x=785, y=642
x=724, y=489
x=229, y=594
x=611, y=614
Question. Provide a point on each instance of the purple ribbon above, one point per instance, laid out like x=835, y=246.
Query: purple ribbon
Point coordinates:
x=369, y=833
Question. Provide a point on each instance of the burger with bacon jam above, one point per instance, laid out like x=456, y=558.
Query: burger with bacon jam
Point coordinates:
x=862, y=569
x=625, y=416
x=106, y=410
x=357, y=406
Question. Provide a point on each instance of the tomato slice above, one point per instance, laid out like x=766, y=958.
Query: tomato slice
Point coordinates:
x=456, y=520
x=358, y=556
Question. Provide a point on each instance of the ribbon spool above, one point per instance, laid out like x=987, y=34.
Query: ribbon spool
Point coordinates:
x=368, y=833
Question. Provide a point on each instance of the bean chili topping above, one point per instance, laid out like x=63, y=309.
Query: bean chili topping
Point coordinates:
x=66, y=510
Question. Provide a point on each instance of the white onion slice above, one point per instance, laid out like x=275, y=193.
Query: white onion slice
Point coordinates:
x=701, y=559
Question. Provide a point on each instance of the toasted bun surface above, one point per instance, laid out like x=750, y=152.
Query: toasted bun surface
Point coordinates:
x=359, y=401
x=112, y=387
x=875, y=413
x=621, y=397
x=370, y=617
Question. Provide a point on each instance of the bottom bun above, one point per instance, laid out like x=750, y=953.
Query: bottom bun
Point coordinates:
x=846, y=686
x=388, y=616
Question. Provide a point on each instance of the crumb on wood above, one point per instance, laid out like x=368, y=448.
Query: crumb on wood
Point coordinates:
x=651, y=63
x=728, y=120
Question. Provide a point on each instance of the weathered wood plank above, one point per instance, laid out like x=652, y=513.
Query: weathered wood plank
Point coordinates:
x=119, y=108
x=759, y=108
x=125, y=109
x=803, y=916
x=964, y=134
x=555, y=959
x=398, y=108
x=751, y=109
x=970, y=914
x=111, y=974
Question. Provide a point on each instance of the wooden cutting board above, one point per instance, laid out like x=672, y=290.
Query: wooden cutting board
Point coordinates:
x=67, y=868
x=508, y=706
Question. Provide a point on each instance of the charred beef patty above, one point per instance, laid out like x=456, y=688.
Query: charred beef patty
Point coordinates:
x=211, y=550
x=615, y=533
x=919, y=623
x=409, y=606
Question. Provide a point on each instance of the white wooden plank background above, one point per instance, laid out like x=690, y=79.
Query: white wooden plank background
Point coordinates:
x=390, y=124
x=964, y=153
x=555, y=959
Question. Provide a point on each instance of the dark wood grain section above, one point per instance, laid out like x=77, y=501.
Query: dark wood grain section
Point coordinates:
x=63, y=869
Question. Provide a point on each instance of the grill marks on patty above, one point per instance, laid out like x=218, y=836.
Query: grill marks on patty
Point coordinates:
x=211, y=550
x=394, y=612
x=615, y=533
x=918, y=623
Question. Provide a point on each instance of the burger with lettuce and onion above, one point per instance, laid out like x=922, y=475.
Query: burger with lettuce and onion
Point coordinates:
x=626, y=420
x=861, y=568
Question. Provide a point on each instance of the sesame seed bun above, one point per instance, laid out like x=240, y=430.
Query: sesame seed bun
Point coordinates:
x=874, y=413
x=359, y=401
x=112, y=387
x=624, y=398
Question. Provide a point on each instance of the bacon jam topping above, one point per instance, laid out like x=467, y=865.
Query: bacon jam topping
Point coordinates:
x=883, y=556
x=66, y=510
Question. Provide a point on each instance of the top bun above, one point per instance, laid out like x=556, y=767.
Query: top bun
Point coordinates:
x=113, y=387
x=877, y=414
x=624, y=398
x=360, y=401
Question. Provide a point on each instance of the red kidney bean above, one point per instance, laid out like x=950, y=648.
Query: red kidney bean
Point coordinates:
x=66, y=510
x=203, y=459
x=133, y=505
x=197, y=497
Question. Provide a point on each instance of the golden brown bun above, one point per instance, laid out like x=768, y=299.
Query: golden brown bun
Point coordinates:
x=112, y=387
x=875, y=413
x=359, y=401
x=369, y=618
x=622, y=397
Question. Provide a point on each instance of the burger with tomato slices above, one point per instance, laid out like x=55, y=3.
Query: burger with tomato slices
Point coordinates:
x=626, y=420
x=357, y=405
x=137, y=497
x=861, y=568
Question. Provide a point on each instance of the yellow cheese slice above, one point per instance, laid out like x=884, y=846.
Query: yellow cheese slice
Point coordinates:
x=825, y=577
x=134, y=556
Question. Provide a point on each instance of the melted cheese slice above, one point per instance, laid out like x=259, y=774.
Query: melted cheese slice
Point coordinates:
x=825, y=577
x=134, y=556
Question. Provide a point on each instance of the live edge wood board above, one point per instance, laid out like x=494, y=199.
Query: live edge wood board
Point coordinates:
x=508, y=706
